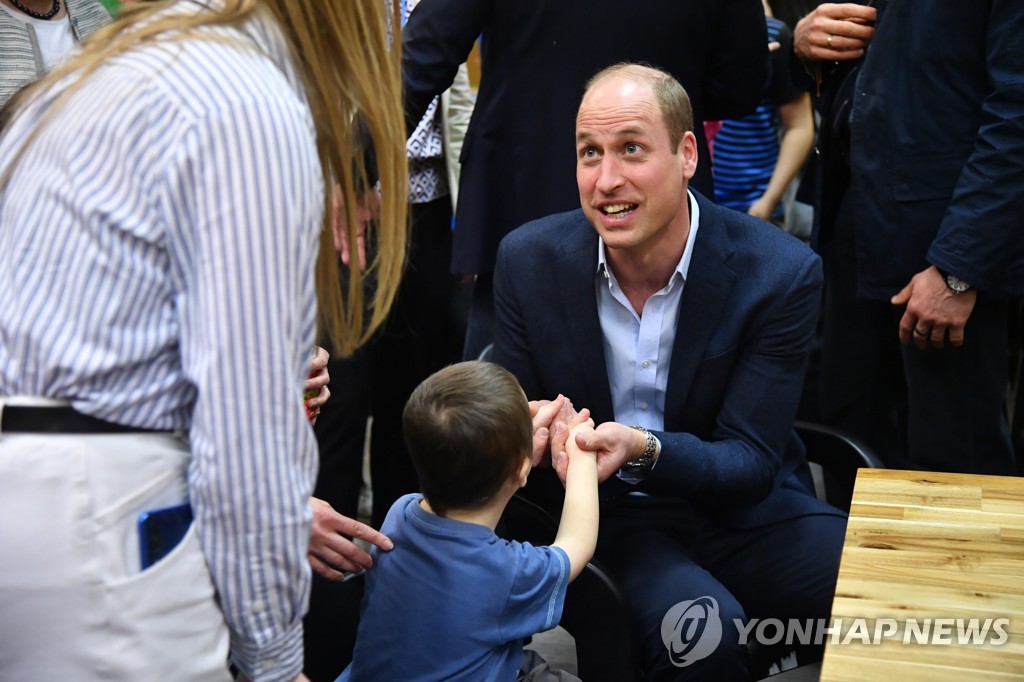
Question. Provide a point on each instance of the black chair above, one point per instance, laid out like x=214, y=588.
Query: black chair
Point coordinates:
x=838, y=456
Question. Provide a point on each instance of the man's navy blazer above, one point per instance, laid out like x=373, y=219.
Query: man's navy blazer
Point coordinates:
x=747, y=314
x=519, y=156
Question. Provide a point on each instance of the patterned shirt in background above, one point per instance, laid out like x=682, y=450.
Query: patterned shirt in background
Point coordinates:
x=157, y=246
x=428, y=179
x=747, y=149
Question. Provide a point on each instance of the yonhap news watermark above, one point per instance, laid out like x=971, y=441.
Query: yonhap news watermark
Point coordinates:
x=692, y=630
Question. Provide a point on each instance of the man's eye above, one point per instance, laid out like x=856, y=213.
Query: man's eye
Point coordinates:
x=589, y=153
x=632, y=148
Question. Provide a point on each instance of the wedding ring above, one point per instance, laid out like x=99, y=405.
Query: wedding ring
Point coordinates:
x=918, y=332
x=830, y=41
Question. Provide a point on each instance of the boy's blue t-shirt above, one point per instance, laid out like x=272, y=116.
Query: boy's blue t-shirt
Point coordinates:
x=453, y=601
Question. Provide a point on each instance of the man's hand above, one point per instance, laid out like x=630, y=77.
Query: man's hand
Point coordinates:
x=552, y=420
x=834, y=32
x=615, y=444
x=331, y=550
x=933, y=311
x=315, y=392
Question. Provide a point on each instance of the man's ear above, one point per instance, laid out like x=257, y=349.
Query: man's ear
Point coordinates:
x=687, y=153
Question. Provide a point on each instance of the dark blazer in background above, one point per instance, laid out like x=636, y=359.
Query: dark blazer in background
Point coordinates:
x=518, y=160
x=747, y=314
x=937, y=147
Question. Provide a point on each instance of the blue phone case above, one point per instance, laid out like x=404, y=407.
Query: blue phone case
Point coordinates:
x=160, y=531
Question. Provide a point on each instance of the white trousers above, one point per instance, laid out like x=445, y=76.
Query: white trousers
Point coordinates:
x=73, y=602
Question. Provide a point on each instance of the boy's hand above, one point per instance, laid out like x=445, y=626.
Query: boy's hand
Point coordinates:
x=572, y=447
x=331, y=550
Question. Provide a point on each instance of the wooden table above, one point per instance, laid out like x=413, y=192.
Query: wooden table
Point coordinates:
x=930, y=546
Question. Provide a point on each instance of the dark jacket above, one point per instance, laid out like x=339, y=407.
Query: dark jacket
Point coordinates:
x=937, y=147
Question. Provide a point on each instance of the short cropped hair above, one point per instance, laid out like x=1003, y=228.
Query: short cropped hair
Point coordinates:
x=468, y=430
x=674, y=103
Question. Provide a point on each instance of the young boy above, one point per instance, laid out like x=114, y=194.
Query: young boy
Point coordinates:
x=452, y=600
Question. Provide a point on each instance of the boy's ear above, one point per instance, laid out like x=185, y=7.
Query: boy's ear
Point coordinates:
x=524, y=471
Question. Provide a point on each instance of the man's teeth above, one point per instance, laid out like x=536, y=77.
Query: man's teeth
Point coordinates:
x=617, y=208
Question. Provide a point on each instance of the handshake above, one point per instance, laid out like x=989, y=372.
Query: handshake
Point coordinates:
x=558, y=429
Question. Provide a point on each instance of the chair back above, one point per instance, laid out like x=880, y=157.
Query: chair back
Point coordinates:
x=839, y=456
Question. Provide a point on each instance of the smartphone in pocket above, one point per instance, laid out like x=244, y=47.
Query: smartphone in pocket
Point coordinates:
x=161, y=530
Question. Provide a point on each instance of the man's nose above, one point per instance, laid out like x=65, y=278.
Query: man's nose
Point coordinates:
x=609, y=177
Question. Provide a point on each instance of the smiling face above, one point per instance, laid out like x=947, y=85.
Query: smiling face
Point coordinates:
x=632, y=179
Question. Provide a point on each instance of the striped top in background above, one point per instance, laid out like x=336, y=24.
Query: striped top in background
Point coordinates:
x=21, y=61
x=746, y=149
x=157, y=248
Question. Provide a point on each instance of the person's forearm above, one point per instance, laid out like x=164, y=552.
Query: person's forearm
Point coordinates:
x=247, y=316
x=251, y=480
x=793, y=150
x=796, y=143
x=577, y=529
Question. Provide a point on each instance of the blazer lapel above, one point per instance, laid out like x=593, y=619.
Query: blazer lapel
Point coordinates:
x=709, y=283
x=576, y=269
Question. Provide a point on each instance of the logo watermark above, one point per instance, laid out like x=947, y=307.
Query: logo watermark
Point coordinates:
x=931, y=631
x=692, y=630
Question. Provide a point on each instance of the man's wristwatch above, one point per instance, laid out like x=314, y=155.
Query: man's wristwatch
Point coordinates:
x=645, y=460
x=954, y=283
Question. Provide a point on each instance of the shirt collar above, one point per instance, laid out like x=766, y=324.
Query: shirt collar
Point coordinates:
x=683, y=266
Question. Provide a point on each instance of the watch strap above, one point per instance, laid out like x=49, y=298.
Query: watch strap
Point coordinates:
x=646, y=459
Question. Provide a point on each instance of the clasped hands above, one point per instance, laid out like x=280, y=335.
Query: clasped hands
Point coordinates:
x=554, y=420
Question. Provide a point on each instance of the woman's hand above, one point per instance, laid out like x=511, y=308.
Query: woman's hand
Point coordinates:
x=331, y=550
x=315, y=392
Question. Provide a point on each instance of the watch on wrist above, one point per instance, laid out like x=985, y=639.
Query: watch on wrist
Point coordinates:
x=954, y=283
x=645, y=460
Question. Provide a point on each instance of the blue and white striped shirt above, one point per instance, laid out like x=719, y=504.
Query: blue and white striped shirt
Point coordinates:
x=157, y=247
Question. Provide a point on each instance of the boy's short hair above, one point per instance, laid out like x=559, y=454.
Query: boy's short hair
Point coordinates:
x=468, y=429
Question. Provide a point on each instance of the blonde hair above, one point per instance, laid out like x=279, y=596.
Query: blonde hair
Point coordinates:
x=347, y=53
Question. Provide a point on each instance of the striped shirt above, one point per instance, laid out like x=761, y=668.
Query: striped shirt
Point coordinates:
x=157, y=247
x=747, y=149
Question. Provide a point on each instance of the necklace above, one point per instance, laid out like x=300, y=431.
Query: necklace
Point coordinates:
x=38, y=15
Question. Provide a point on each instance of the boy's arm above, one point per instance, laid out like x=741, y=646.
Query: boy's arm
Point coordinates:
x=577, y=530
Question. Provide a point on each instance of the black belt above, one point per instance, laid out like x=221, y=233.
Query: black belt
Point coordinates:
x=57, y=419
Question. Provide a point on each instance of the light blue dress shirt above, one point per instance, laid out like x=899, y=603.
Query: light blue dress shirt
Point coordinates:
x=638, y=349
